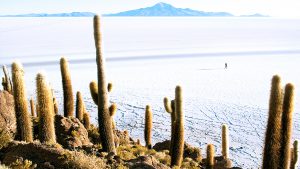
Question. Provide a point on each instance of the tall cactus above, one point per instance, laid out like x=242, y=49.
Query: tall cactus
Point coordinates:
x=271, y=153
x=80, y=108
x=294, y=159
x=148, y=127
x=225, y=144
x=32, y=107
x=55, y=105
x=178, y=144
x=67, y=88
x=24, y=123
x=104, y=119
x=45, y=102
x=170, y=108
x=287, y=126
x=210, y=159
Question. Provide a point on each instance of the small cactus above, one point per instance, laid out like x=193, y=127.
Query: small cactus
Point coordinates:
x=24, y=123
x=94, y=91
x=45, y=102
x=225, y=145
x=148, y=126
x=55, y=105
x=272, y=146
x=80, y=108
x=104, y=118
x=109, y=87
x=178, y=143
x=210, y=159
x=67, y=88
x=32, y=107
x=112, y=111
x=287, y=126
x=294, y=155
x=8, y=83
x=170, y=108
x=86, y=120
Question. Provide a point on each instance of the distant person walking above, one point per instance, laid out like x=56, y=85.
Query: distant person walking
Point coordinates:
x=225, y=66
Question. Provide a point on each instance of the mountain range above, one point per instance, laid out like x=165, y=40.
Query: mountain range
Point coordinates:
x=160, y=9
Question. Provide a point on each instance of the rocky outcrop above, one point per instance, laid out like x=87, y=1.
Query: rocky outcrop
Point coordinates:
x=8, y=124
x=189, y=151
x=48, y=156
x=146, y=162
x=70, y=133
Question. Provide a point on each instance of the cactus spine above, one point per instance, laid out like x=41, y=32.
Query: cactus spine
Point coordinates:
x=104, y=119
x=32, y=107
x=80, y=108
x=148, y=126
x=210, y=159
x=294, y=155
x=24, y=123
x=45, y=102
x=225, y=145
x=67, y=88
x=273, y=134
x=178, y=143
x=287, y=119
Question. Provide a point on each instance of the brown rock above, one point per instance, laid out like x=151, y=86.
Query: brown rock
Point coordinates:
x=8, y=124
x=49, y=156
x=146, y=162
x=70, y=133
x=189, y=151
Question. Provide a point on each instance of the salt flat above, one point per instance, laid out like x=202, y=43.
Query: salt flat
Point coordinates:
x=148, y=57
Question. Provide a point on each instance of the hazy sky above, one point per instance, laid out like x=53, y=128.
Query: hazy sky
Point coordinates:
x=277, y=8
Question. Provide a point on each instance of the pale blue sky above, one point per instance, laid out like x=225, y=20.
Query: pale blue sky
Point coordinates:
x=277, y=8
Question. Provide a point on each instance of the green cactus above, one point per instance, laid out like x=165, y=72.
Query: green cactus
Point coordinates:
x=104, y=118
x=225, y=145
x=178, y=142
x=272, y=146
x=67, y=88
x=8, y=83
x=287, y=126
x=148, y=127
x=24, y=123
x=80, y=107
x=86, y=120
x=32, y=107
x=210, y=159
x=294, y=155
x=46, y=108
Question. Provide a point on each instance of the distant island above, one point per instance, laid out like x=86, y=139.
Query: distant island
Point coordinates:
x=159, y=9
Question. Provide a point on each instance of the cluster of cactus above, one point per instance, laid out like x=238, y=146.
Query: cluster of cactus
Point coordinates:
x=277, y=151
